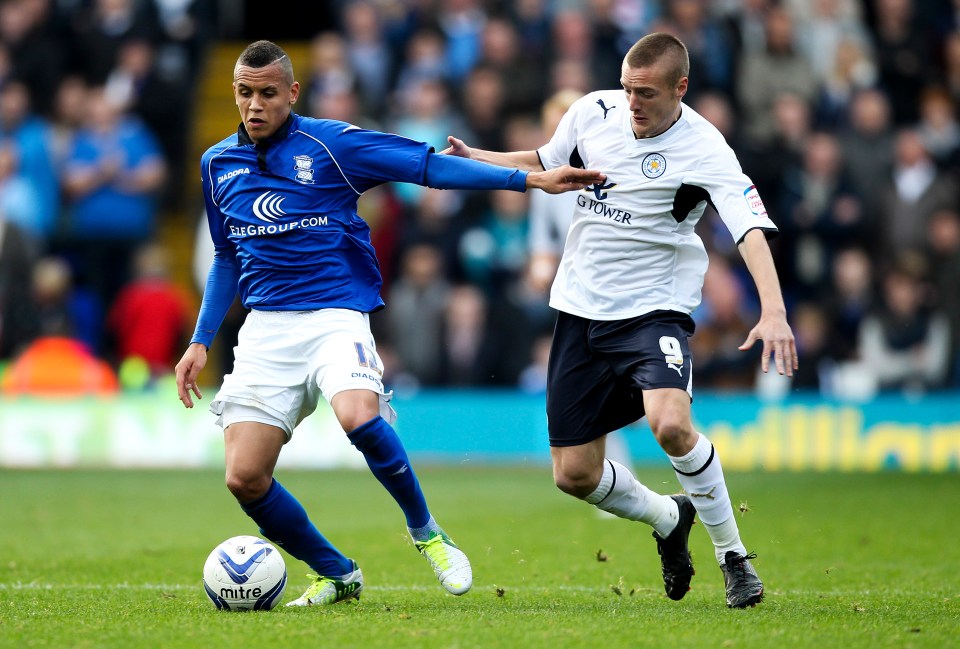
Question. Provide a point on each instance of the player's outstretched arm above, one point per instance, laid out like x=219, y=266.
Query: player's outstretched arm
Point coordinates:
x=526, y=160
x=772, y=328
x=563, y=179
x=555, y=181
x=187, y=370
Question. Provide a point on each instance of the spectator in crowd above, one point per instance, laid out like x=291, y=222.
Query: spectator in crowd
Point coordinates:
x=29, y=138
x=17, y=318
x=423, y=60
x=813, y=345
x=868, y=144
x=951, y=64
x=185, y=29
x=494, y=253
x=915, y=190
x=711, y=52
x=905, y=343
x=824, y=29
x=27, y=32
x=820, y=212
x=112, y=179
x=502, y=51
x=904, y=54
x=853, y=70
x=938, y=127
x=99, y=29
x=570, y=74
x=20, y=202
x=723, y=321
x=69, y=109
x=136, y=86
x=368, y=52
x=765, y=75
x=483, y=104
x=329, y=72
x=418, y=300
x=149, y=320
x=61, y=308
x=469, y=354
x=943, y=251
x=461, y=22
x=850, y=298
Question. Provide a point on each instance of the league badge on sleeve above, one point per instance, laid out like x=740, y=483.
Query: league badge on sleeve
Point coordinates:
x=304, y=167
x=752, y=197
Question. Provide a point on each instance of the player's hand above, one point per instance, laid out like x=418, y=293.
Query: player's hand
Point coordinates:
x=187, y=370
x=564, y=179
x=457, y=148
x=777, y=340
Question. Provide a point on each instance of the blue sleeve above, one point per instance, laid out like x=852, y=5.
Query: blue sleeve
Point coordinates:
x=224, y=275
x=453, y=172
x=370, y=158
x=217, y=296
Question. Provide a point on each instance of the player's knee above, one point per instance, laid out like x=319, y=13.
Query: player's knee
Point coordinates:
x=355, y=408
x=675, y=435
x=248, y=487
x=578, y=484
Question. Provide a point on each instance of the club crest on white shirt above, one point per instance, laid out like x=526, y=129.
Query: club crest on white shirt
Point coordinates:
x=304, y=167
x=654, y=165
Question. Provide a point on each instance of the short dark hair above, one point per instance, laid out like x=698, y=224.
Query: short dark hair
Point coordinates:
x=650, y=49
x=261, y=54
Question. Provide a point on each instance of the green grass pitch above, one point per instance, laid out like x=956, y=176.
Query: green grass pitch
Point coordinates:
x=113, y=559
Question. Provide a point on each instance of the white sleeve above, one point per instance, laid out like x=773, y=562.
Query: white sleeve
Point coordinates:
x=557, y=151
x=732, y=193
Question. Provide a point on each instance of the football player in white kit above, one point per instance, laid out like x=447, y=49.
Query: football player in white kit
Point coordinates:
x=630, y=276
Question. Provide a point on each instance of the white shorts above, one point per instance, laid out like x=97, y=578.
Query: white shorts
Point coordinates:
x=285, y=360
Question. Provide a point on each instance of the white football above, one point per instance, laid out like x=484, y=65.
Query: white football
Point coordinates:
x=245, y=573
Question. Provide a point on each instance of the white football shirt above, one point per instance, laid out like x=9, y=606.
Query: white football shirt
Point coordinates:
x=631, y=248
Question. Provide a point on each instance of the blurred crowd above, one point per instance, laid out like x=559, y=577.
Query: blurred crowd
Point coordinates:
x=843, y=112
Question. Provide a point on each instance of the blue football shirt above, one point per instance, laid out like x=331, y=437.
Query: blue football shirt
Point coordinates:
x=287, y=211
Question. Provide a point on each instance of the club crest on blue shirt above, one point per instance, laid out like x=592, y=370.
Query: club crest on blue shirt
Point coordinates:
x=654, y=165
x=304, y=167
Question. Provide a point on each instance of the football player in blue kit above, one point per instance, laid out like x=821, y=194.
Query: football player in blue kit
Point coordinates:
x=281, y=201
x=630, y=276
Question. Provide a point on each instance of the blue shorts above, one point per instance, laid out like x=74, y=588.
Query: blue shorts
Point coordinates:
x=598, y=370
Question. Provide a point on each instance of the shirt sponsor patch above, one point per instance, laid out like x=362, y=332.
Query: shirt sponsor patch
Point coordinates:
x=752, y=197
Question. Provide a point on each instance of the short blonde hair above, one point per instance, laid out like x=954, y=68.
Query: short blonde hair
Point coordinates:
x=652, y=48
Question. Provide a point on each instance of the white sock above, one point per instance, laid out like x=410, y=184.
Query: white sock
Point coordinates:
x=726, y=537
x=701, y=476
x=621, y=494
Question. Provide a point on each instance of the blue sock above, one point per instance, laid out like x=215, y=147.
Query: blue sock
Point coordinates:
x=283, y=520
x=386, y=458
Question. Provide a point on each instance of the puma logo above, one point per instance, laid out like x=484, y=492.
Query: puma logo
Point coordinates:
x=605, y=109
